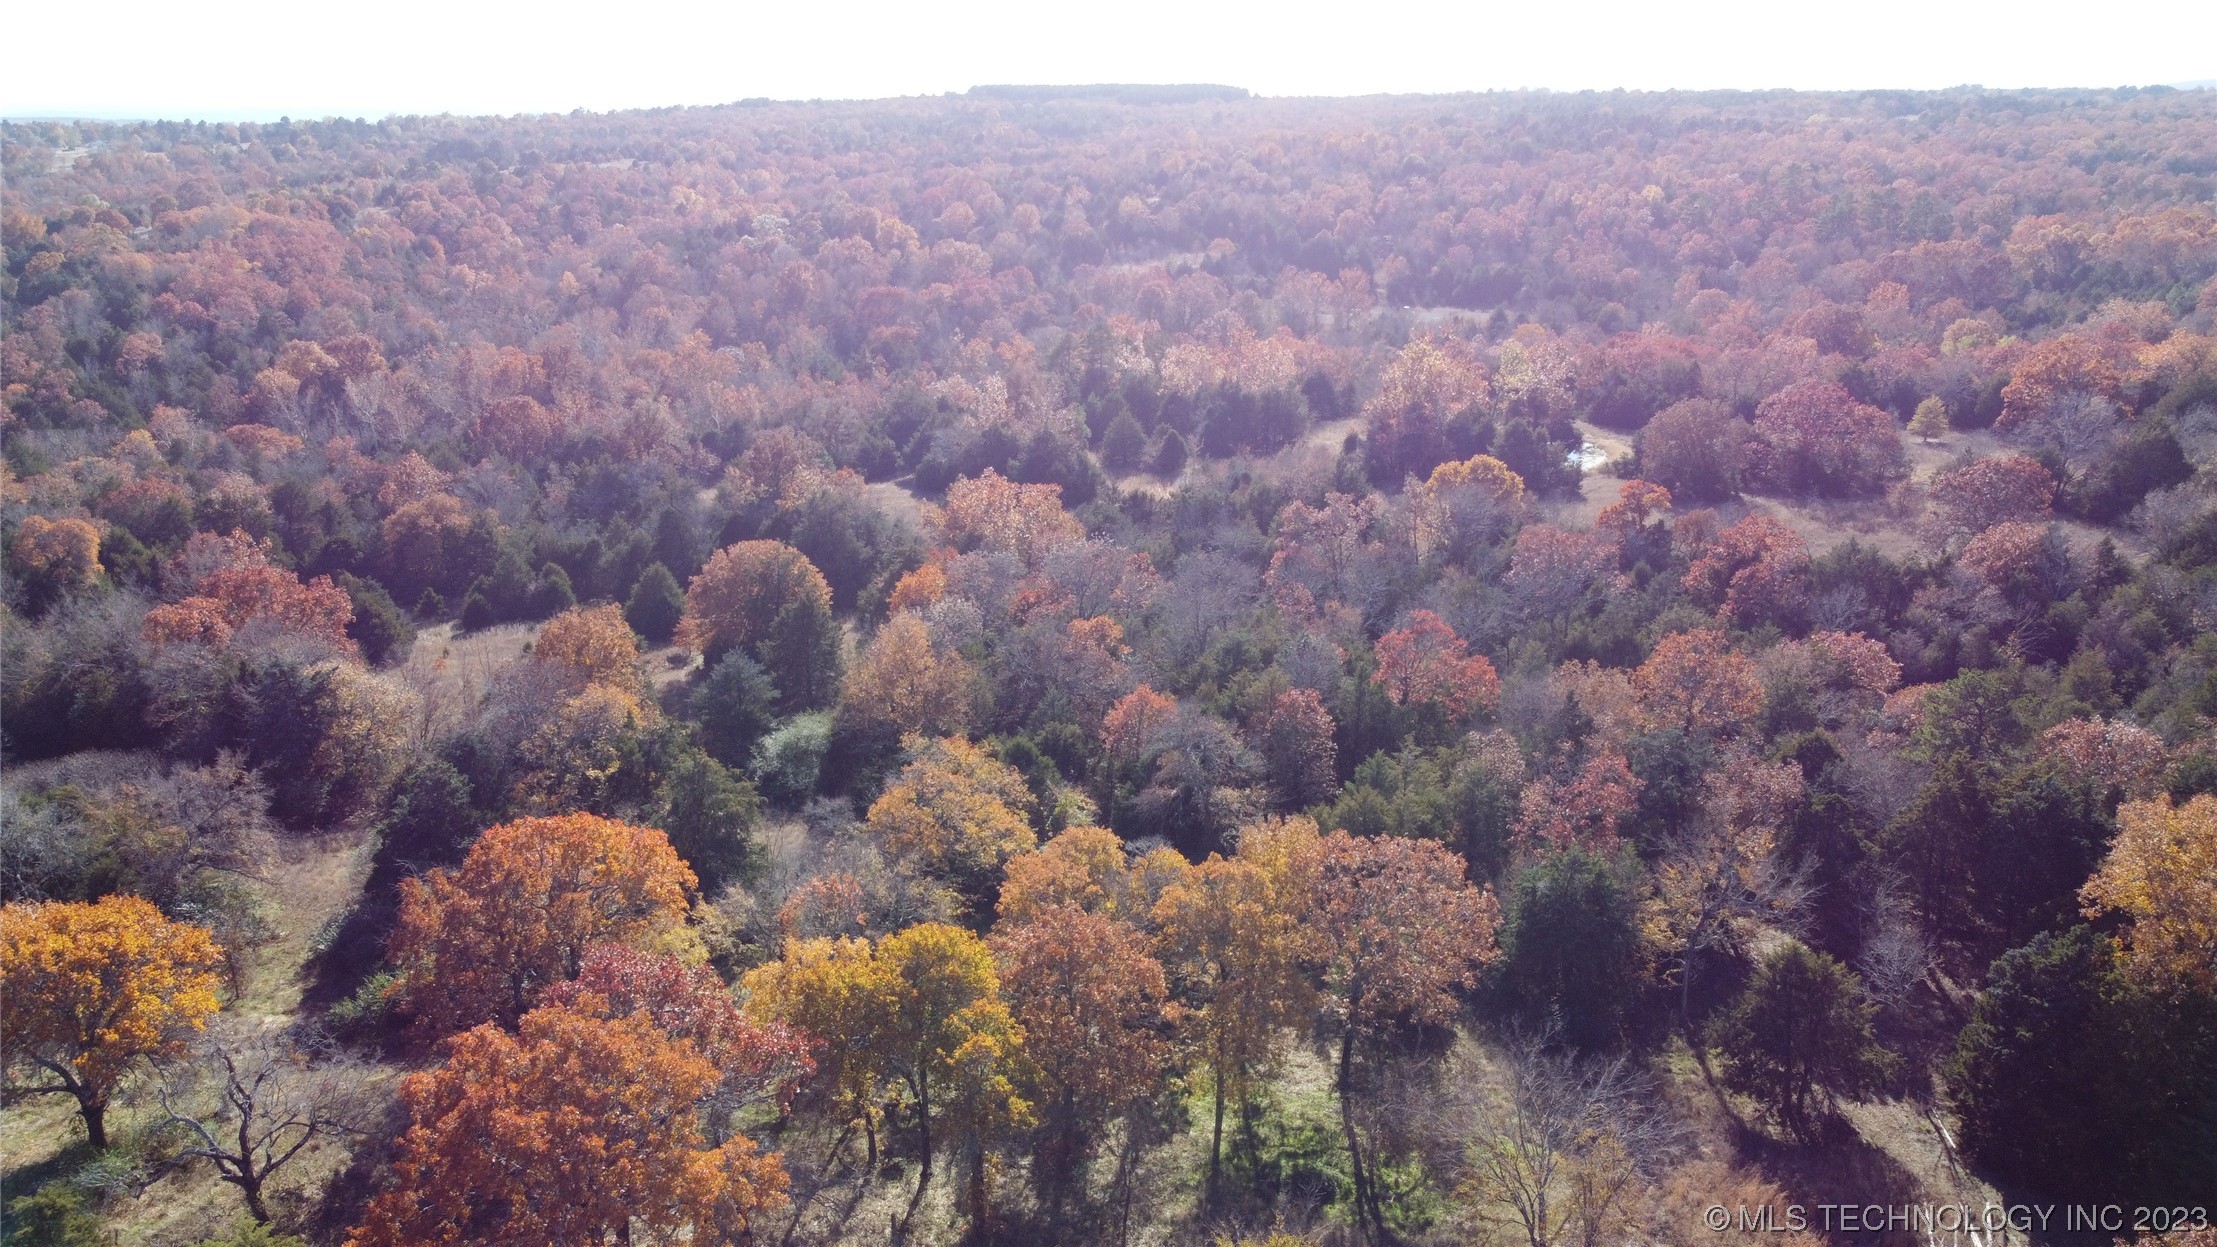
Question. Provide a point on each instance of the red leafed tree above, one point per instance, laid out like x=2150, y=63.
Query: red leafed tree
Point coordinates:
x=1135, y=721
x=1813, y=438
x=234, y=585
x=2025, y=563
x=1694, y=682
x=478, y=943
x=1401, y=930
x=1294, y=738
x=1755, y=572
x=1427, y=664
x=1583, y=810
x=577, y=1129
x=1999, y=489
x=1638, y=503
x=691, y=1003
x=1094, y=1006
x=1552, y=568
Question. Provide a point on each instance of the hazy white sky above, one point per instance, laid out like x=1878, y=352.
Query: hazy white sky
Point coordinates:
x=371, y=58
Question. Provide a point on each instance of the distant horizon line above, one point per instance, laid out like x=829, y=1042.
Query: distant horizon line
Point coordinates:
x=1036, y=92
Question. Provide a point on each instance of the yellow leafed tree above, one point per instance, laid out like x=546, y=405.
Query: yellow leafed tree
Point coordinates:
x=954, y=809
x=90, y=990
x=2162, y=873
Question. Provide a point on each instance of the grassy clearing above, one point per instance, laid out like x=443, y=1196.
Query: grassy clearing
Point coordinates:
x=316, y=881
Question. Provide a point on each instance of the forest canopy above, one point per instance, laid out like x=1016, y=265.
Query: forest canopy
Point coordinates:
x=1108, y=664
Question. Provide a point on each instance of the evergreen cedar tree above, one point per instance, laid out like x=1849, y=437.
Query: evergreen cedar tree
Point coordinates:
x=1800, y=1037
x=286, y=400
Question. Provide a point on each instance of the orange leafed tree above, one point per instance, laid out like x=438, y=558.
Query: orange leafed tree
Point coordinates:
x=1399, y=929
x=918, y=589
x=1426, y=664
x=2071, y=364
x=1814, y=437
x=1694, y=682
x=1552, y=568
x=990, y=512
x=904, y=684
x=1094, y=1007
x=1135, y=721
x=92, y=989
x=1638, y=502
x=2116, y=754
x=1084, y=867
x=478, y=943
x=590, y=646
x=577, y=1129
x=740, y=591
x=1756, y=571
x=65, y=553
x=691, y=1003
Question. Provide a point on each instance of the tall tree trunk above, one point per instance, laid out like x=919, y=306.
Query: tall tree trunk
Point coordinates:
x=980, y=1222
x=94, y=1109
x=250, y=1182
x=1344, y=1085
x=923, y=1136
x=1216, y=1141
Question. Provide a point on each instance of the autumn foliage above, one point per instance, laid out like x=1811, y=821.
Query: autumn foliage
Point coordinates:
x=572, y=1129
x=65, y=552
x=479, y=942
x=1695, y=682
x=1813, y=437
x=92, y=990
x=736, y=599
x=691, y=1003
x=1426, y=664
x=954, y=808
x=239, y=587
x=1061, y=501
x=590, y=646
x=2162, y=873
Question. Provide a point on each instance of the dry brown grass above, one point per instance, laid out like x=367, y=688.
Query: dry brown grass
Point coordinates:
x=454, y=671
